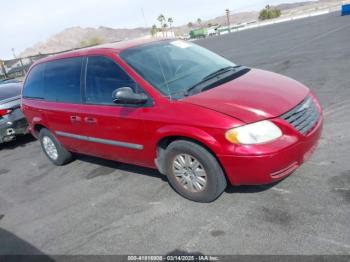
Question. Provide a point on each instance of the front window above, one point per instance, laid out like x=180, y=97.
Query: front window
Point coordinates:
x=174, y=66
x=103, y=77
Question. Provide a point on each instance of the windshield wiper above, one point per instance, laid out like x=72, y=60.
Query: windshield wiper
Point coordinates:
x=219, y=72
x=209, y=77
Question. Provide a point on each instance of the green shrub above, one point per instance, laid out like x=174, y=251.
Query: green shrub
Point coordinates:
x=92, y=41
x=269, y=12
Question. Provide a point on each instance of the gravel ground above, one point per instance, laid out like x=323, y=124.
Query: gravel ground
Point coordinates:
x=93, y=206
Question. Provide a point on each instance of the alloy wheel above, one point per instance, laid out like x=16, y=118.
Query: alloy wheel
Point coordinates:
x=189, y=172
x=50, y=148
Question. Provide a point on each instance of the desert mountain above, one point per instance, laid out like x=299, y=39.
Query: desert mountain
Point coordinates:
x=76, y=36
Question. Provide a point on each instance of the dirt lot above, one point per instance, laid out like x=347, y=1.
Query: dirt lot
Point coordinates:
x=92, y=206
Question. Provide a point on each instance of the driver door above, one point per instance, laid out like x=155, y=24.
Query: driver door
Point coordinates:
x=114, y=131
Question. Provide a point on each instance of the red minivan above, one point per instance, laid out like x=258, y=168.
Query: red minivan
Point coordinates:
x=202, y=120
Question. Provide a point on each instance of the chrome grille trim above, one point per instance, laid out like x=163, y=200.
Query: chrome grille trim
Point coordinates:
x=304, y=116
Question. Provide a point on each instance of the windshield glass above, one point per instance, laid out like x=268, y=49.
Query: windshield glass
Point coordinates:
x=173, y=66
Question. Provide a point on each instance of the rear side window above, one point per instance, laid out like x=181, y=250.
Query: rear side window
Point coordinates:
x=62, y=80
x=34, y=85
x=103, y=76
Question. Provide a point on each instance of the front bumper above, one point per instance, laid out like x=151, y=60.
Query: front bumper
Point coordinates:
x=12, y=125
x=262, y=167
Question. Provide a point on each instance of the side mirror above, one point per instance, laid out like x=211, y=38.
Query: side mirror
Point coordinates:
x=126, y=95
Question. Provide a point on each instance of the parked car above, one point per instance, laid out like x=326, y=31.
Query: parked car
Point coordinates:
x=202, y=120
x=12, y=120
x=10, y=81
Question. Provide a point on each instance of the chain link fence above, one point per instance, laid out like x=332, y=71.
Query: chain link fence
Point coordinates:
x=18, y=67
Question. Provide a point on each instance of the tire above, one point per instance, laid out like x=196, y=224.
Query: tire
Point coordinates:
x=188, y=179
x=62, y=157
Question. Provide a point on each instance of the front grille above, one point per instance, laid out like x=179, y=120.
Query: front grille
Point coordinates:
x=304, y=116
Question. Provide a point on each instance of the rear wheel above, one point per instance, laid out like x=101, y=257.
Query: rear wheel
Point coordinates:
x=193, y=171
x=53, y=149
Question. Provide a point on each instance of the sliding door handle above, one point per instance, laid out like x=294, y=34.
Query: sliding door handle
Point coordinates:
x=90, y=120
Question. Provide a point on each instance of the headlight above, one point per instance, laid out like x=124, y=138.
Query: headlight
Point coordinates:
x=256, y=133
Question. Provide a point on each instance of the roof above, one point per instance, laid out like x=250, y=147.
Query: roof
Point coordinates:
x=116, y=47
x=129, y=43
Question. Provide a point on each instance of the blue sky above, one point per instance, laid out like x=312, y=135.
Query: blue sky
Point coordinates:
x=24, y=22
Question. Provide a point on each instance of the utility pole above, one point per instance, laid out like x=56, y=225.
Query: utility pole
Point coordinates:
x=144, y=17
x=3, y=68
x=228, y=19
x=20, y=60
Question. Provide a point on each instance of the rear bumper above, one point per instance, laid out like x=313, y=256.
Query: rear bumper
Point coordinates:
x=12, y=125
x=268, y=168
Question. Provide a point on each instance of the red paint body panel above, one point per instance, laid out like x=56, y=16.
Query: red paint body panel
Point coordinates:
x=254, y=96
x=204, y=117
x=259, y=168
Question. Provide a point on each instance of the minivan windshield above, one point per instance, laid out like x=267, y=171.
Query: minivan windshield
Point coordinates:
x=174, y=66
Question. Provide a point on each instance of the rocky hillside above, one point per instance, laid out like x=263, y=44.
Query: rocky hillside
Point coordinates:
x=76, y=36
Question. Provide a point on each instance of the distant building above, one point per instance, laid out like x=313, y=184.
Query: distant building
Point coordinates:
x=16, y=67
x=167, y=34
x=2, y=73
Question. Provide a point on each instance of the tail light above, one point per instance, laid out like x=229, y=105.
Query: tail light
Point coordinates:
x=4, y=112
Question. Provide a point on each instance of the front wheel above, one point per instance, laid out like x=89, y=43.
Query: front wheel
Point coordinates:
x=194, y=172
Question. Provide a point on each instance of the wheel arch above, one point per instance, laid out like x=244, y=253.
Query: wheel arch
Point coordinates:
x=201, y=138
x=36, y=129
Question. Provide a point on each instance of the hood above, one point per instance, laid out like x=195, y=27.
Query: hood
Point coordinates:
x=255, y=96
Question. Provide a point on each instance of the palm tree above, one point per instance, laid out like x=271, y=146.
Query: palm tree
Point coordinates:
x=165, y=26
x=154, y=30
x=170, y=21
x=199, y=21
x=161, y=19
x=190, y=25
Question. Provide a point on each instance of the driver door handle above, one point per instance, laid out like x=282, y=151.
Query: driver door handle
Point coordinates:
x=75, y=119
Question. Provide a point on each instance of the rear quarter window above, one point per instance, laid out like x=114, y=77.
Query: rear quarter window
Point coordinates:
x=62, y=80
x=34, y=85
